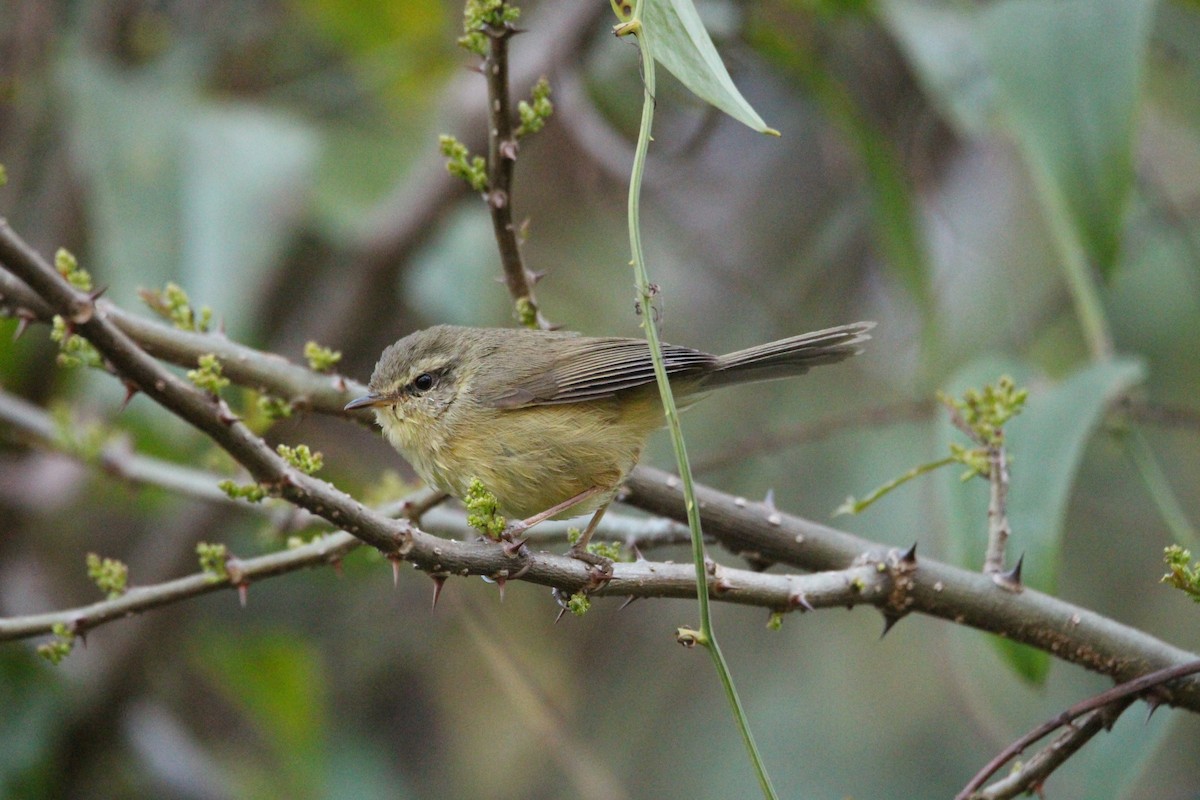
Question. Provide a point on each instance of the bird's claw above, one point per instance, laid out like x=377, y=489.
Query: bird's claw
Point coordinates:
x=600, y=569
x=513, y=547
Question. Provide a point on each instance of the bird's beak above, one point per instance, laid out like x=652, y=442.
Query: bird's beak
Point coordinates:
x=366, y=401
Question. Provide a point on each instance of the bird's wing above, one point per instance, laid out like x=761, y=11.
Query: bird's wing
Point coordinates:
x=596, y=368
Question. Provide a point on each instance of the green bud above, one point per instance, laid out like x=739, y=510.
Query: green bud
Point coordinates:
x=209, y=376
x=60, y=648
x=302, y=458
x=321, y=359
x=482, y=512
x=109, y=575
x=212, y=561
x=579, y=604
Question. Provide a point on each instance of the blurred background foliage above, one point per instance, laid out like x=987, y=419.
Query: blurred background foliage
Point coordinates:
x=946, y=168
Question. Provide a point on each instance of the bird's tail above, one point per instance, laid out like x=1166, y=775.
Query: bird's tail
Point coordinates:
x=792, y=356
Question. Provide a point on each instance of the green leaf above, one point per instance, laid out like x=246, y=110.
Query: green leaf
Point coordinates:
x=1048, y=440
x=35, y=699
x=938, y=40
x=277, y=681
x=1069, y=76
x=680, y=42
x=1046, y=444
x=897, y=219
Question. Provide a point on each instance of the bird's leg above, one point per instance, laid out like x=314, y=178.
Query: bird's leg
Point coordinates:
x=520, y=526
x=601, y=567
x=511, y=534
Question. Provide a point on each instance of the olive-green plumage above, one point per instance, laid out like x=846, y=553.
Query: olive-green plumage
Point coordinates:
x=540, y=417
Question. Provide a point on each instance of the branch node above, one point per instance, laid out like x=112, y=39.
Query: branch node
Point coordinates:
x=497, y=198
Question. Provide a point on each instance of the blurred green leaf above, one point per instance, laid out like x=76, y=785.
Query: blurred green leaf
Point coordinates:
x=938, y=39
x=1046, y=443
x=243, y=180
x=33, y=702
x=402, y=51
x=277, y=678
x=1069, y=79
x=183, y=189
x=898, y=231
x=127, y=130
x=680, y=42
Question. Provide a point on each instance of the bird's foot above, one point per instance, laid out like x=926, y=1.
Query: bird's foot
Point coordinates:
x=600, y=568
x=511, y=539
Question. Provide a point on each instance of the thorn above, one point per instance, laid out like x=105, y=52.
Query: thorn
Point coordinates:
x=131, y=390
x=1015, y=575
x=337, y=567
x=83, y=314
x=1011, y=580
x=500, y=582
x=438, y=582
x=395, y=571
x=1153, y=703
x=561, y=611
x=769, y=500
x=628, y=600
x=243, y=590
x=798, y=600
x=535, y=277
x=637, y=554
x=225, y=413
x=561, y=597
x=508, y=149
x=22, y=325
x=513, y=547
x=889, y=622
x=909, y=557
x=96, y=294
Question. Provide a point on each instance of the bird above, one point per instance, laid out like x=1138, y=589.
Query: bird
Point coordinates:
x=551, y=422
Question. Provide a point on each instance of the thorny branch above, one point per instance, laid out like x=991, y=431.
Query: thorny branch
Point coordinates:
x=756, y=531
x=1031, y=774
x=1103, y=710
x=997, y=513
x=502, y=157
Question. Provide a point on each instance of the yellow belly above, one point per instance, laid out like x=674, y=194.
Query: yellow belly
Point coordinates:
x=534, y=458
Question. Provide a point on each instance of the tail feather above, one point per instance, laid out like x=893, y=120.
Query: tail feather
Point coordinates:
x=792, y=356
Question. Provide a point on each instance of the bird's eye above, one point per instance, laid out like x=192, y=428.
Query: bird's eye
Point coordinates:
x=423, y=382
